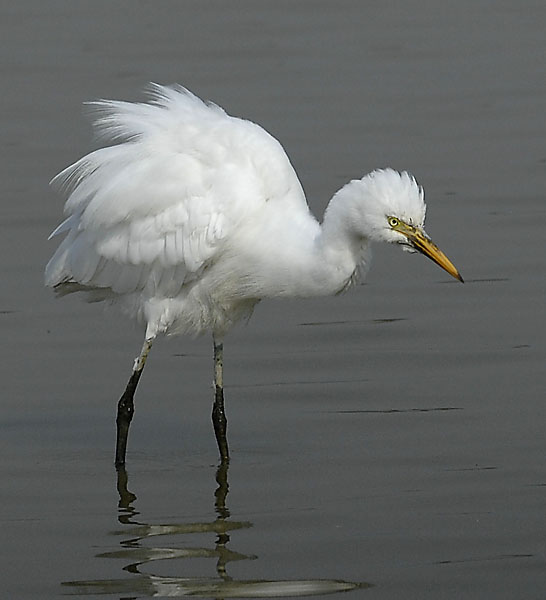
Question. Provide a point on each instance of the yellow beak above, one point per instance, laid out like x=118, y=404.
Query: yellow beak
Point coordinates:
x=421, y=242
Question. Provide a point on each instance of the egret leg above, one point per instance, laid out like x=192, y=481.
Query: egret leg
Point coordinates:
x=126, y=406
x=218, y=414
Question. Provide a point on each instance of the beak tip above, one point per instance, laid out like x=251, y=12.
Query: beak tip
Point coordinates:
x=421, y=242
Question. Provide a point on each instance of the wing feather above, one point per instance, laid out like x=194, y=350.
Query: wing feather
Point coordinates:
x=151, y=211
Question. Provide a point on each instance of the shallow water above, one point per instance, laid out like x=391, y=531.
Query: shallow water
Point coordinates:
x=390, y=441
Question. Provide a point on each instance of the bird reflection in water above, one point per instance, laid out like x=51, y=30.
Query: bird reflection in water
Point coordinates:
x=219, y=586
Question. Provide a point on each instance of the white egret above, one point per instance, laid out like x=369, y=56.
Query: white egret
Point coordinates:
x=192, y=216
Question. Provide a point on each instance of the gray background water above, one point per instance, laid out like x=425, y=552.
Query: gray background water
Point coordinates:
x=393, y=436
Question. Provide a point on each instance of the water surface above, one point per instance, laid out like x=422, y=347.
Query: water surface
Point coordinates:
x=390, y=441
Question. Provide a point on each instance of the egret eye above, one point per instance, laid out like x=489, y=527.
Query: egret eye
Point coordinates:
x=394, y=222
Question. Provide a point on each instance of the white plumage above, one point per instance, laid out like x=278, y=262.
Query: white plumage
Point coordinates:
x=151, y=216
x=192, y=216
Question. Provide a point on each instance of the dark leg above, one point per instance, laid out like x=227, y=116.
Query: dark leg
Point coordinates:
x=220, y=423
x=125, y=496
x=218, y=414
x=126, y=406
x=126, y=410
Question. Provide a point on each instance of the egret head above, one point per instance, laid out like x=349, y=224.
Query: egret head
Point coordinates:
x=392, y=209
